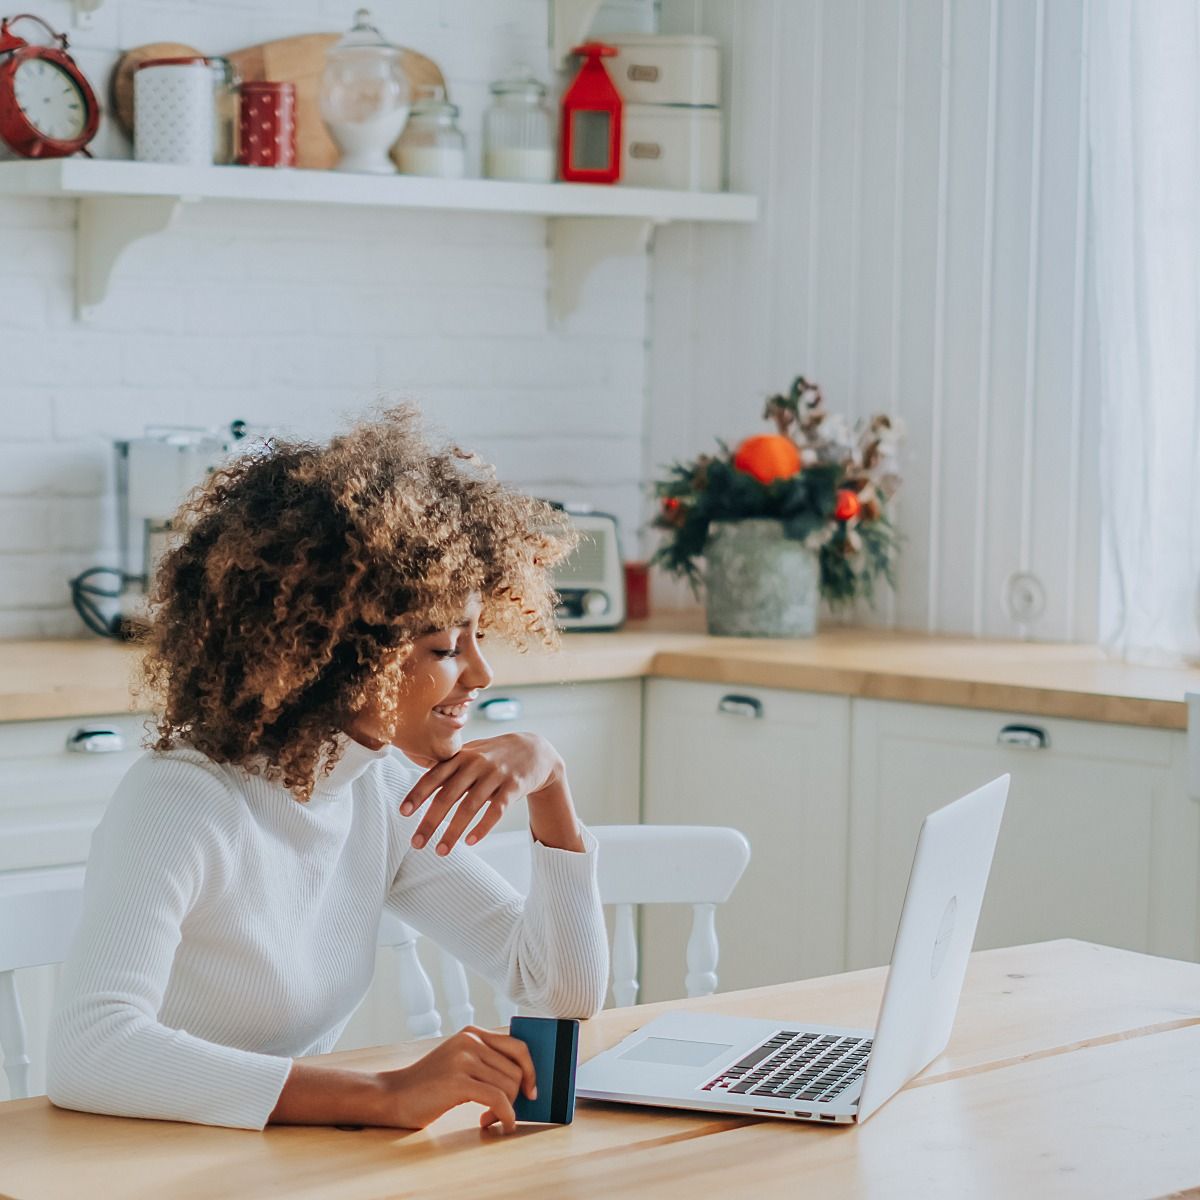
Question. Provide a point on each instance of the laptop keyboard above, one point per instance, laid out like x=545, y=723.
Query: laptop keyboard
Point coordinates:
x=796, y=1066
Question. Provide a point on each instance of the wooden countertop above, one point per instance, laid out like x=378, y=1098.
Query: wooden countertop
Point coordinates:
x=66, y=678
x=1070, y=1073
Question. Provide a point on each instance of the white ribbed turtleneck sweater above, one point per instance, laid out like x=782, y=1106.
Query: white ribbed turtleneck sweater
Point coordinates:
x=228, y=928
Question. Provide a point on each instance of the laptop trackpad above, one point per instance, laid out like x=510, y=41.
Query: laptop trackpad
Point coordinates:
x=675, y=1052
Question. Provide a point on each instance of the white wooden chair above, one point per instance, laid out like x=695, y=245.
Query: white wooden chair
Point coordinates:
x=39, y=911
x=638, y=864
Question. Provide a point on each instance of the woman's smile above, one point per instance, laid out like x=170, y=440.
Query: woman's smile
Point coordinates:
x=455, y=712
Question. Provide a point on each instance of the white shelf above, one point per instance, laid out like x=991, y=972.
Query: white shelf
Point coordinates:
x=122, y=201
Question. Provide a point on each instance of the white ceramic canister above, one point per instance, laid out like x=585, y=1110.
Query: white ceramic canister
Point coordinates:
x=665, y=147
x=173, y=111
x=663, y=69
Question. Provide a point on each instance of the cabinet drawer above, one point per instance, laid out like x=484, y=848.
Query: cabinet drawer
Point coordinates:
x=51, y=797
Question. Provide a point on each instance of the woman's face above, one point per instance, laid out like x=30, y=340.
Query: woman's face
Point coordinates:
x=440, y=678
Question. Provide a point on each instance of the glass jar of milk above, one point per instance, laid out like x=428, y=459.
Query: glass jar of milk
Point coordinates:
x=432, y=143
x=518, y=130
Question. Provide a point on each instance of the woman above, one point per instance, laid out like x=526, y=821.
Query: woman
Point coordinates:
x=325, y=604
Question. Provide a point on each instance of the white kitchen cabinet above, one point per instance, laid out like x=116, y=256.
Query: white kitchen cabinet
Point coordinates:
x=51, y=796
x=773, y=764
x=1100, y=840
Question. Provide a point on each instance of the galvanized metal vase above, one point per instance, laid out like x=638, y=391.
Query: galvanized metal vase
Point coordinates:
x=760, y=583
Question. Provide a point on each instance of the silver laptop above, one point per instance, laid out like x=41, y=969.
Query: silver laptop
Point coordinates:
x=821, y=1073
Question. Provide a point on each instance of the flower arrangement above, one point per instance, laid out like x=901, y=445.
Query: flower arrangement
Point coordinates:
x=828, y=482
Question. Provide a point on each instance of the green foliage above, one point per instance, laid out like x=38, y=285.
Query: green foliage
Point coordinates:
x=852, y=553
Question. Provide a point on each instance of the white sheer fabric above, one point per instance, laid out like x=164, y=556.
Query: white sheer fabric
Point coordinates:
x=1144, y=131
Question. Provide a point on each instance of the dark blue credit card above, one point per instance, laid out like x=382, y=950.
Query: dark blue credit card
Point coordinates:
x=554, y=1047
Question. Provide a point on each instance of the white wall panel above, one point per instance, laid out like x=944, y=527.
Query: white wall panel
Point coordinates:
x=922, y=250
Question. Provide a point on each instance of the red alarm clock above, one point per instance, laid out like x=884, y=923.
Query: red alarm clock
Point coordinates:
x=47, y=107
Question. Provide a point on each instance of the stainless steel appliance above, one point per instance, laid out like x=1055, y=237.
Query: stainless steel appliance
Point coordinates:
x=154, y=475
x=591, y=581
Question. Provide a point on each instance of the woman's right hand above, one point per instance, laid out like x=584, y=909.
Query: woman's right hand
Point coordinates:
x=475, y=1065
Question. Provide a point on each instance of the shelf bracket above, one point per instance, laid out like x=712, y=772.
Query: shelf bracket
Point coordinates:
x=108, y=226
x=578, y=244
x=570, y=21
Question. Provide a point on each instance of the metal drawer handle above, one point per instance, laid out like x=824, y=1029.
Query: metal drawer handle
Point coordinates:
x=503, y=708
x=740, y=706
x=95, y=739
x=1027, y=737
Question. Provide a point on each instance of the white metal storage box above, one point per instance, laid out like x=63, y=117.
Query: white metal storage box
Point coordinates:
x=663, y=147
x=649, y=69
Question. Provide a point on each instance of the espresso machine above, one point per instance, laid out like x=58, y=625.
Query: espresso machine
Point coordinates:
x=154, y=475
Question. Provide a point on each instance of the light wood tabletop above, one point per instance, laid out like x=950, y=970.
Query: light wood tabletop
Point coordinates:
x=1073, y=1071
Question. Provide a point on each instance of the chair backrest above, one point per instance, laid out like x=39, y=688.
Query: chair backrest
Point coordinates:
x=39, y=912
x=638, y=864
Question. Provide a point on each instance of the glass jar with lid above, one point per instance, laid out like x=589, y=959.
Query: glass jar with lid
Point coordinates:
x=518, y=130
x=226, y=99
x=364, y=97
x=432, y=143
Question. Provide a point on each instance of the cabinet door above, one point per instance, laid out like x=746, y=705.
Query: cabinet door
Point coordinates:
x=1099, y=839
x=51, y=797
x=781, y=778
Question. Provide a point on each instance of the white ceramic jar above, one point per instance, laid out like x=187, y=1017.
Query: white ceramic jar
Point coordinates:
x=173, y=112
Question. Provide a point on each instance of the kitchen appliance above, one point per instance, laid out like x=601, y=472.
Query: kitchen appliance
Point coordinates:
x=590, y=581
x=154, y=475
x=364, y=97
x=47, y=106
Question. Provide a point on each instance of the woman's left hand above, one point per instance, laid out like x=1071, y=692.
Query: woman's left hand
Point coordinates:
x=491, y=773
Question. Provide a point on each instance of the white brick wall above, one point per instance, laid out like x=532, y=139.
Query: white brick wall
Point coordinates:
x=297, y=318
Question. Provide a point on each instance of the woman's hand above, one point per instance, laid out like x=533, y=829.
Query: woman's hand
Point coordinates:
x=475, y=1065
x=491, y=773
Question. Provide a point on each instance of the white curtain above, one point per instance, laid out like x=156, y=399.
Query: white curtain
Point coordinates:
x=1144, y=132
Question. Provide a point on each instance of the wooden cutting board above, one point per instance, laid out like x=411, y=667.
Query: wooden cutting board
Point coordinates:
x=301, y=60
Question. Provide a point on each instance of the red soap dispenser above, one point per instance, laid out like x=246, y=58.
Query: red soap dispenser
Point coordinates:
x=591, y=121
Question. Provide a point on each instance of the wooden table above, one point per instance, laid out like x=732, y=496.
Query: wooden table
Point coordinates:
x=1074, y=1071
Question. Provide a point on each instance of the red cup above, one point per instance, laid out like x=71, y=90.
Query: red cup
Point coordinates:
x=268, y=125
x=637, y=590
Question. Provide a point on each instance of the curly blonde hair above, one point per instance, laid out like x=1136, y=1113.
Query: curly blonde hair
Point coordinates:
x=303, y=573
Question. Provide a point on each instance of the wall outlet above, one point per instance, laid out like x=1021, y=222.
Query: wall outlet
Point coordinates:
x=1024, y=597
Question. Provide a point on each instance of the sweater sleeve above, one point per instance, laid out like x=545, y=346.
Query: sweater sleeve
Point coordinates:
x=547, y=951
x=166, y=842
